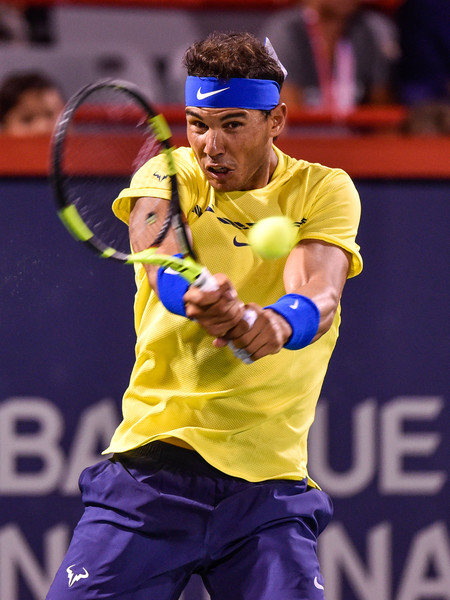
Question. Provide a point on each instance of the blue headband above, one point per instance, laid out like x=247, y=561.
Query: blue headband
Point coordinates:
x=210, y=92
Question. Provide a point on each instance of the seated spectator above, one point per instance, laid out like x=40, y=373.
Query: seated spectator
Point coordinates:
x=40, y=24
x=428, y=118
x=338, y=54
x=13, y=25
x=22, y=24
x=29, y=104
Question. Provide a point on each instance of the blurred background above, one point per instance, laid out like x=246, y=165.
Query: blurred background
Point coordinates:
x=367, y=90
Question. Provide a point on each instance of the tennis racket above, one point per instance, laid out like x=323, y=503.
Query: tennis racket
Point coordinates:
x=105, y=133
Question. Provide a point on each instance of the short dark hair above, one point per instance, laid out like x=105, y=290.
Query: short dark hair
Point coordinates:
x=17, y=84
x=228, y=55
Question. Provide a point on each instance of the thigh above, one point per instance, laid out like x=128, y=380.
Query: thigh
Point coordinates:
x=130, y=543
x=266, y=544
x=277, y=562
x=104, y=561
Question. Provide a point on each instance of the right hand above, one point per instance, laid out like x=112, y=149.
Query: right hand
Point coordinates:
x=217, y=311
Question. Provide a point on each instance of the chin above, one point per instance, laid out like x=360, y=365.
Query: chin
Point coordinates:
x=222, y=186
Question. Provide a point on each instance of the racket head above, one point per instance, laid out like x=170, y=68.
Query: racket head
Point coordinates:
x=106, y=132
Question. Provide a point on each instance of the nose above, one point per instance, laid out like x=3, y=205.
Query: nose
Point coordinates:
x=214, y=143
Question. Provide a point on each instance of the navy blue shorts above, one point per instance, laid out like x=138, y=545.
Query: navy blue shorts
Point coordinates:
x=156, y=515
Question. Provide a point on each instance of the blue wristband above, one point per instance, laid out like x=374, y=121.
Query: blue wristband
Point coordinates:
x=302, y=315
x=171, y=289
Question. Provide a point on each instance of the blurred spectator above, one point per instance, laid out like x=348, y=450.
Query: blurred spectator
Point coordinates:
x=424, y=72
x=25, y=24
x=40, y=25
x=29, y=104
x=428, y=118
x=337, y=53
x=13, y=25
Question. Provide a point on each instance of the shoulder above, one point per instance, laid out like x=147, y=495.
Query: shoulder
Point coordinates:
x=313, y=185
x=184, y=157
x=187, y=166
x=316, y=172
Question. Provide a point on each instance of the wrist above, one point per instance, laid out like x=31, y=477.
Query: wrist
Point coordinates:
x=171, y=289
x=303, y=317
x=283, y=326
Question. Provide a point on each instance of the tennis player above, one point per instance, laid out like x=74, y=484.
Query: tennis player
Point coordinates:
x=209, y=467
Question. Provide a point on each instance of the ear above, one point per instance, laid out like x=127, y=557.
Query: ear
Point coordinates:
x=278, y=117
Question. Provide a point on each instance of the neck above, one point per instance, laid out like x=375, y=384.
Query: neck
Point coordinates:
x=273, y=164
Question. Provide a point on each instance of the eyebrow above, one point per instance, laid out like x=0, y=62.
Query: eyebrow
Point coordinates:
x=235, y=115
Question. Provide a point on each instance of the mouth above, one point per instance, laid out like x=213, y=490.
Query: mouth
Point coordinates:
x=218, y=175
x=218, y=170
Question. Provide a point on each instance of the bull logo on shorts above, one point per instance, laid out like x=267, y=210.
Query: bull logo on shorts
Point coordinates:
x=74, y=577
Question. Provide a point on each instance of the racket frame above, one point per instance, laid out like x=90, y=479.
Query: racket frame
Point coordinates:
x=67, y=210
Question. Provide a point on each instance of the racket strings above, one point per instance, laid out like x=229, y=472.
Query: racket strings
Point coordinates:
x=151, y=147
x=107, y=141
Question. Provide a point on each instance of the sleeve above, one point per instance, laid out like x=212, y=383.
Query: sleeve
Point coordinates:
x=150, y=180
x=334, y=216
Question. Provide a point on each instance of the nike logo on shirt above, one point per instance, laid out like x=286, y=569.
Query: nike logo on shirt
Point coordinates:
x=202, y=95
x=239, y=244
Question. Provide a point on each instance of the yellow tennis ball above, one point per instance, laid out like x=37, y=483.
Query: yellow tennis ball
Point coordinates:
x=273, y=237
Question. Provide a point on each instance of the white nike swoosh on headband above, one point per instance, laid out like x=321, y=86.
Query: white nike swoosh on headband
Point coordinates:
x=202, y=95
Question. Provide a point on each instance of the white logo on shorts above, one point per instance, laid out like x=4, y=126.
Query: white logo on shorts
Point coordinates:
x=74, y=577
x=318, y=585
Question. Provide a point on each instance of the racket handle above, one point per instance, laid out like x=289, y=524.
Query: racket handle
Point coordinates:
x=250, y=317
x=206, y=282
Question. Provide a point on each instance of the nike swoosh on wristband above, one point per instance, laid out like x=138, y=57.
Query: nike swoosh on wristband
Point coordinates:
x=202, y=95
x=318, y=585
x=294, y=305
x=239, y=244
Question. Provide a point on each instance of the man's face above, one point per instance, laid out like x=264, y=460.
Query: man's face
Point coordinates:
x=233, y=146
x=35, y=113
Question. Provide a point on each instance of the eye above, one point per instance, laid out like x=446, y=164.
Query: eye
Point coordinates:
x=233, y=125
x=199, y=125
x=27, y=119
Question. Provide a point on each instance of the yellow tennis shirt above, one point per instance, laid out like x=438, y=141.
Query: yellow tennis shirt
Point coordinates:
x=250, y=421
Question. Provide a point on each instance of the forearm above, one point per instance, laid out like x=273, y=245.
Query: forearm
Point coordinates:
x=326, y=298
x=142, y=236
x=314, y=277
x=318, y=271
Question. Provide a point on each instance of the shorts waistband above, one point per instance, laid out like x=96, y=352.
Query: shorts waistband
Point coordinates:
x=177, y=456
x=171, y=454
